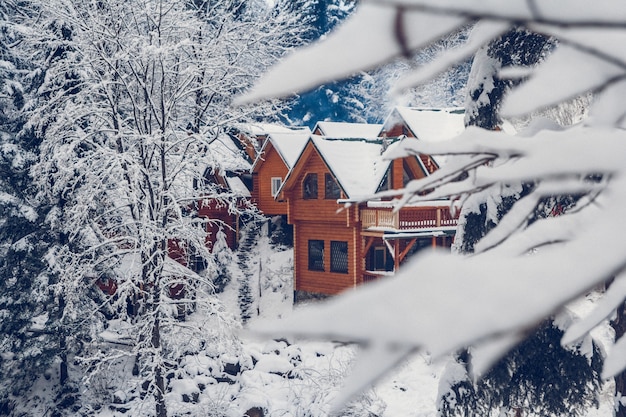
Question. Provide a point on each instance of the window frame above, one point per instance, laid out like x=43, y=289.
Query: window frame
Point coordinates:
x=334, y=260
x=310, y=179
x=273, y=181
x=330, y=179
x=316, y=263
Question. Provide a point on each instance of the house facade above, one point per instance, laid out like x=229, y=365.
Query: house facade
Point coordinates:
x=343, y=235
x=276, y=158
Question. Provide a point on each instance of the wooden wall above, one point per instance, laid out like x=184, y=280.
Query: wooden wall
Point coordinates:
x=319, y=219
x=271, y=166
x=326, y=282
x=228, y=222
x=318, y=209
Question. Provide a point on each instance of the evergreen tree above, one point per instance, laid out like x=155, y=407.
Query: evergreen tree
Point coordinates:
x=336, y=101
x=30, y=331
x=223, y=262
x=518, y=380
x=538, y=377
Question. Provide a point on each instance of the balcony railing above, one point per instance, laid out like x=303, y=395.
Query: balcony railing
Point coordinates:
x=408, y=218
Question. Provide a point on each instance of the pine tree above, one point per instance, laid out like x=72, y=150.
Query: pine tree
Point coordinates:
x=538, y=377
x=336, y=101
x=517, y=380
x=30, y=333
x=223, y=262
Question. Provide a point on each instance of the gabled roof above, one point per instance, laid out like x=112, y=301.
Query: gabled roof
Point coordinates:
x=428, y=124
x=356, y=164
x=289, y=146
x=264, y=129
x=348, y=130
x=237, y=187
x=226, y=155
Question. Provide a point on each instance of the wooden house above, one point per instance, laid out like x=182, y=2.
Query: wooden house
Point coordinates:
x=340, y=240
x=250, y=137
x=277, y=156
x=342, y=235
x=427, y=124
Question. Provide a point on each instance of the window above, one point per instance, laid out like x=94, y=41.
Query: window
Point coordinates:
x=382, y=259
x=339, y=257
x=276, y=183
x=309, y=187
x=385, y=183
x=316, y=255
x=331, y=188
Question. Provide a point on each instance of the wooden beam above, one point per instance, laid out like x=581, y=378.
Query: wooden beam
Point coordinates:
x=369, y=241
x=407, y=249
x=372, y=233
x=396, y=257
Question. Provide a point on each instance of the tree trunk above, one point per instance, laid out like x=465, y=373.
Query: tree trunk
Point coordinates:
x=159, y=380
x=619, y=326
x=151, y=275
x=63, y=371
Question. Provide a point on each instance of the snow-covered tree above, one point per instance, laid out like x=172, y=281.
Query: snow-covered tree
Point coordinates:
x=30, y=337
x=521, y=272
x=223, y=262
x=125, y=152
x=445, y=90
x=481, y=213
x=537, y=377
x=338, y=101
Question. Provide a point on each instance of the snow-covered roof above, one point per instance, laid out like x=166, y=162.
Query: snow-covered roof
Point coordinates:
x=288, y=145
x=263, y=129
x=348, y=130
x=236, y=185
x=226, y=155
x=429, y=124
x=357, y=164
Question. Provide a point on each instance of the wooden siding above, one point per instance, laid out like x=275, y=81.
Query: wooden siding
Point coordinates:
x=326, y=282
x=319, y=209
x=271, y=166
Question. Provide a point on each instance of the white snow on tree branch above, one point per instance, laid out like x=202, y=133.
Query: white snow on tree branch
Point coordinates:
x=366, y=40
x=521, y=274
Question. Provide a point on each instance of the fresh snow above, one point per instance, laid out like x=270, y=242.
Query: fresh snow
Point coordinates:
x=338, y=130
x=358, y=165
x=428, y=124
x=289, y=146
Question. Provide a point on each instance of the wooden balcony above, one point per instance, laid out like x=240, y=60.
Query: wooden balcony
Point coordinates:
x=408, y=218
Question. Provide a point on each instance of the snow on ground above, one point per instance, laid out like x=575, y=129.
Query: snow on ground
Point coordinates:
x=287, y=378
x=317, y=368
x=411, y=390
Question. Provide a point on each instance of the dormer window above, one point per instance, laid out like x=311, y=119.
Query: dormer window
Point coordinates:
x=331, y=188
x=309, y=187
x=276, y=183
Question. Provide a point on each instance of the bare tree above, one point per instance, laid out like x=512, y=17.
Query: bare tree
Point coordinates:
x=126, y=149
